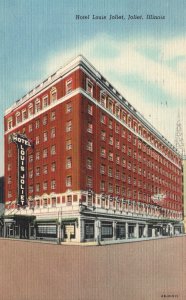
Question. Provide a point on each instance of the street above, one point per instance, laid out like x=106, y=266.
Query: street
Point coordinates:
x=151, y=270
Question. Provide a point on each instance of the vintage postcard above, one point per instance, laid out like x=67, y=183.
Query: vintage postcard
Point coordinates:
x=92, y=150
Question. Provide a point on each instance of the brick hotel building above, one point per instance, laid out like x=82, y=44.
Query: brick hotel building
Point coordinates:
x=95, y=168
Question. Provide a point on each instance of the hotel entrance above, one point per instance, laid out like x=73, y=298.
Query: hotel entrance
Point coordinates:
x=19, y=226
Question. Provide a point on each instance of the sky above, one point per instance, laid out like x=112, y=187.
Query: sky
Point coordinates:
x=144, y=59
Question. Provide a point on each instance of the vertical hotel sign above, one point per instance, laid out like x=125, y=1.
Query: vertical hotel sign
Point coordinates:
x=22, y=144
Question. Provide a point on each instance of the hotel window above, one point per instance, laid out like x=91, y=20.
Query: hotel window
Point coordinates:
x=37, y=140
x=24, y=114
x=123, y=162
x=69, y=107
x=110, y=172
x=53, y=166
x=117, y=111
x=45, y=153
x=9, y=167
x=30, y=173
x=123, y=177
x=110, y=156
x=69, y=162
x=102, y=185
x=123, y=148
x=129, y=121
x=89, y=163
x=53, y=199
x=53, y=184
x=53, y=116
x=69, y=126
x=30, y=110
x=9, y=194
x=103, y=118
x=117, y=189
x=69, y=200
x=53, y=150
x=37, y=187
x=45, y=120
x=103, y=135
x=37, y=155
x=129, y=151
x=129, y=165
x=110, y=105
x=117, y=128
x=123, y=133
x=9, y=179
x=45, y=136
x=37, y=171
x=90, y=127
x=30, y=128
x=90, y=146
x=117, y=159
x=69, y=181
x=30, y=189
x=45, y=185
x=37, y=203
x=30, y=158
x=9, y=153
x=10, y=123
x=129, y=137
x=53, y=133
x=110, y=140
x=90, y=109
x=103, y=152
x=110, y=124
x=117, y=174
x=45, y=101
x=53, y=95
x=102, y=169
x=89, y=87
x=45, y=169
x=123, y=116
x=110, y=188
x=45, y=203
x=117, y=144
x=18, y=117
x=103, y=98
x=129, y=179
x=69, y=86
x=89, y=181
x=37, y=124
x=68, y=144
x=37, y=105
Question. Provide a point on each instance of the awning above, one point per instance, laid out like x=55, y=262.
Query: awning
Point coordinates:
x=19, y=218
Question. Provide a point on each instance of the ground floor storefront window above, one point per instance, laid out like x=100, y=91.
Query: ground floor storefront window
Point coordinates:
x=106, y=230
x=131, y=231
x=46, y=230
x=89, y=229
x=69, y=230
x=120, y=231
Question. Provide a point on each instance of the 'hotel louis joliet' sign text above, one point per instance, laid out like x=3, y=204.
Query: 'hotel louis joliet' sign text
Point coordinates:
x=22, y=144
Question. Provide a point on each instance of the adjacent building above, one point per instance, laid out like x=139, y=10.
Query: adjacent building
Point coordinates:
x=88, y=166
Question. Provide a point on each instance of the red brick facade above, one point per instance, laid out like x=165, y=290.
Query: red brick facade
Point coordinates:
x=85, y=136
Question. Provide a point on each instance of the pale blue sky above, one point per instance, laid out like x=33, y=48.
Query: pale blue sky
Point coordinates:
x=144, y=59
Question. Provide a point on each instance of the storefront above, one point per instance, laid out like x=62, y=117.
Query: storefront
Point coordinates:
x=19, y=226
x=68, y=227
x=106, y=230
x=89, y=230
x=46, y=228
x=120, y=231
